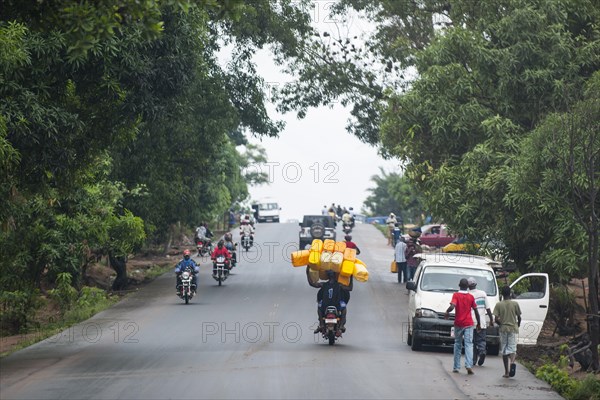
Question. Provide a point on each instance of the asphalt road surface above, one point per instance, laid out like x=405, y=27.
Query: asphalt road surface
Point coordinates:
x=253, y=338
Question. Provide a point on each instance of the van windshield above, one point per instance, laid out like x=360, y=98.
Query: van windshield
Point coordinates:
x=445, y=279
x=268, y=206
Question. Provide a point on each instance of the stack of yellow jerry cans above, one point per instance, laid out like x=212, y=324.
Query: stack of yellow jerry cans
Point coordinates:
x=331, y=255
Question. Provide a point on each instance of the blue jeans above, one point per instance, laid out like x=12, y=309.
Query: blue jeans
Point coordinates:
x=459, y=335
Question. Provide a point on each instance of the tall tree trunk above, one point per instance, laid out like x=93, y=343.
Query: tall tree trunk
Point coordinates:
x=168, y=242
x=593, y=296
x=119, y=264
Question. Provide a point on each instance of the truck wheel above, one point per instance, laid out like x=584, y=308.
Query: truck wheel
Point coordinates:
x=416, y=344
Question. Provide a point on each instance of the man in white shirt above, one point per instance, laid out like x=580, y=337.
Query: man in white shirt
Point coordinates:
x=483, y=307
x=247, y=229
x=400, y=258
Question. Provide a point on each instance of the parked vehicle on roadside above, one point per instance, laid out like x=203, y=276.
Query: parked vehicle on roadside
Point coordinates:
x=435, y=235
x=436, y=279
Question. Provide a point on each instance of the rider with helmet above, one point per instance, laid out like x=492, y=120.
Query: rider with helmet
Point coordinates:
x=247, y=229
x=220, y=250
x=186, y=262
x=231, y=247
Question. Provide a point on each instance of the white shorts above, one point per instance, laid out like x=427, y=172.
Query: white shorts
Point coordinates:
x=508, y=343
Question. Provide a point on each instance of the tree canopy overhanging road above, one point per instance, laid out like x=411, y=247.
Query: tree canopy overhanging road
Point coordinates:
x=120, y=127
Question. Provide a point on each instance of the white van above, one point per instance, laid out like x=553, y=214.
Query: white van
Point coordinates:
x=266, y=210
x=436, y=279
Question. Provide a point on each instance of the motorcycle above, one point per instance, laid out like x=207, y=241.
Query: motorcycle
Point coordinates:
x=186, y=288
x=204, y=247
x=233, y=250
x=221, y=269
x=331, y=329
x=246, y=242
x=347, y=228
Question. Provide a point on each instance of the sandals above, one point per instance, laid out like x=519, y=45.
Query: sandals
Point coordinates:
x=513, y=370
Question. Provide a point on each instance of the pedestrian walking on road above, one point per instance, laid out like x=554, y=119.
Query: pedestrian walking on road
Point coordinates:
x=390, y=222
x=400, y=259
x=463, y=302
x=412, y=248
x=479, y=336
x=508, y=316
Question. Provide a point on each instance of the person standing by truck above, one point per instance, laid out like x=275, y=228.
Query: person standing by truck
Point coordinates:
x=463, y=302
x=400, y=259
x=508, y=316
x=479, y=336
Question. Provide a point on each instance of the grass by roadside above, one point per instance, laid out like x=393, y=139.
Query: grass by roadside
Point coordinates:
x=53, y=315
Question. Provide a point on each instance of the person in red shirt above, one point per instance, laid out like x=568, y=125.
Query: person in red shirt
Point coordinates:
x=350, y=244
x=463, y=302
x=220, y=250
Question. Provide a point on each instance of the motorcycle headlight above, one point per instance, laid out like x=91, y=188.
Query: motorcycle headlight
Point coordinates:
x=425, y=313
x=185, y=275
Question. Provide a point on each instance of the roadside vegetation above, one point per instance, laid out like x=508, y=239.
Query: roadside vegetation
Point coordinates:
x=119, y=127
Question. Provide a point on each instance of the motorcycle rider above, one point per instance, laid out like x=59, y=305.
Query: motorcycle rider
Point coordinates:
x=203, y=234
x=352, y=215
x=247, y=229
x=187, y=261
x=231, y=247
x=332, y=293
x=220, y=250
x=350, y=244
x=347, y=218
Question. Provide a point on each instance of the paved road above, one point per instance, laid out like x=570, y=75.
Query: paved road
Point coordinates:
x=252, y=338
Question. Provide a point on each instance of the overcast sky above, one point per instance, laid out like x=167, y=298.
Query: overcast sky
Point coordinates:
x=315, y=161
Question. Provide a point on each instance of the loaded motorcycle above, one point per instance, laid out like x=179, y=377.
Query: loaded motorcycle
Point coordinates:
x=331, y=328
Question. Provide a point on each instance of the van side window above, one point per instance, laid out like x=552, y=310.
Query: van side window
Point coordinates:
x=531, y=287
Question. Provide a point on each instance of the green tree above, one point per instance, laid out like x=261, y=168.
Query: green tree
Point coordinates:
x=393, y=192
x=557, y=173
x=84, y=85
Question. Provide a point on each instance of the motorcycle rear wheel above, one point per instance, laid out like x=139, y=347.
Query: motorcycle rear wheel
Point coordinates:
x=331, y=338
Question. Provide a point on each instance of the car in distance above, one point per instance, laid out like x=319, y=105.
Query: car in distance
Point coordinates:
x=316, y=227
x=435, y=235
x=266, y=210
x=436, y=279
